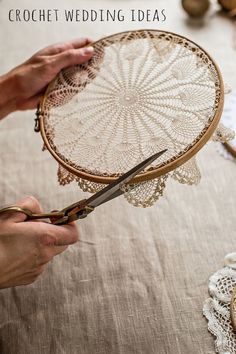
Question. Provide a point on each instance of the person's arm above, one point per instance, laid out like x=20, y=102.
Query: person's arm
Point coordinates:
x=22, y=87
x=26, y=247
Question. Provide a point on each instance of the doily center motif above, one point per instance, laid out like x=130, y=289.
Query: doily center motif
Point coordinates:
x=128, y=99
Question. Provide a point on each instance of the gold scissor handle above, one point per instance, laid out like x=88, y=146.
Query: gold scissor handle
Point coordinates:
x=71, y=213
x=30, y=215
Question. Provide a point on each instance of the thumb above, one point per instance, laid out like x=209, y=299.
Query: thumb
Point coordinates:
x=72, y=57
x=30, y=203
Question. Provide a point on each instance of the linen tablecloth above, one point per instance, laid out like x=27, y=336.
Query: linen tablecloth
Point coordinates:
x=139, y=285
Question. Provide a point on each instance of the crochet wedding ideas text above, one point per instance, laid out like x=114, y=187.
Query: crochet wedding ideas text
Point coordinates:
x=82, y=15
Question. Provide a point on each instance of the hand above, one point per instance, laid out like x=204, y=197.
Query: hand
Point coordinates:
x=26, y=247
x=22, y=87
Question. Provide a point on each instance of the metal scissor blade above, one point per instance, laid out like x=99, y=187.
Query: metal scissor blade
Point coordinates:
x=114, y=189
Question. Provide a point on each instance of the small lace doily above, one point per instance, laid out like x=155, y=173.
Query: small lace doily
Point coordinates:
x=217, y=307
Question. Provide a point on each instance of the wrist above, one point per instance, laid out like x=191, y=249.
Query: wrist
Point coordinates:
x=8, y=96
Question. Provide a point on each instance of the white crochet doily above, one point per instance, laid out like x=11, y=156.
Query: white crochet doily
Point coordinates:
x=217, y=307
x=142, y=92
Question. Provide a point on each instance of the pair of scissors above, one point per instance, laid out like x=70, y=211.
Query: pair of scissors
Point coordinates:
x=84, y=207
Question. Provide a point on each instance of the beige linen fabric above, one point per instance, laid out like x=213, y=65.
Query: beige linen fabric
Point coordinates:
x=140, y=285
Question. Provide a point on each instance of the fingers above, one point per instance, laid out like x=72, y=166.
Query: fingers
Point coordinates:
x=53, y=219
x=51, y=252
x=55, y=240
x=59, y=249
x=30, y=203
x=47, y=253
x=52, y=235
x=32, y=276
x=43, y=66
x=61, y=47
x=66, y=235
x=72, y=57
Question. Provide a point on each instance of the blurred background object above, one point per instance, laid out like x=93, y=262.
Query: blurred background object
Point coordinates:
x=196, y=8
x=228, y=5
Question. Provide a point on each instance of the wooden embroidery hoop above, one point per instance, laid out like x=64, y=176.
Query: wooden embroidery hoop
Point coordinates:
x=152, y=173
x=231, y=149
x=233, y=309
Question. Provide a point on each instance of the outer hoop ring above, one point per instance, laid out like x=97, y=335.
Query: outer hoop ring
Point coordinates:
x=233, y=309
x=153, y=173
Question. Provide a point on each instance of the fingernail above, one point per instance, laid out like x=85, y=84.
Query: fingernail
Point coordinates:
x=88, y=50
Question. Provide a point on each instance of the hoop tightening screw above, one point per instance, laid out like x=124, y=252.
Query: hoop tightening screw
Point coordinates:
x=37, y=124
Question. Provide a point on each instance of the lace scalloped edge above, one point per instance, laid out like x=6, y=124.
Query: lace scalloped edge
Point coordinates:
x=214, y=328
